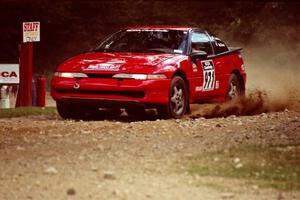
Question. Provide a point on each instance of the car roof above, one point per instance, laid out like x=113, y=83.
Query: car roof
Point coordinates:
x=182, y=28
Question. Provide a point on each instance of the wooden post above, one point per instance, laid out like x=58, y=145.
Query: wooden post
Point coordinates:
x=25, y=88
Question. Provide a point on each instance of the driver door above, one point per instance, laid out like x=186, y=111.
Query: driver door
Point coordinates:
x=206, y=71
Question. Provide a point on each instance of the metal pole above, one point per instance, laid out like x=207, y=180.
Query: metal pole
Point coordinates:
x=4, y=96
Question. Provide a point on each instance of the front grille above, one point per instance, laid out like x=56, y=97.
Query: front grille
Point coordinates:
x=132, y=94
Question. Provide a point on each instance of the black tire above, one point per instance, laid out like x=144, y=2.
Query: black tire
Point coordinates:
x=235, y=89
x=68, y=111
x=136, y=112
x=178, y=100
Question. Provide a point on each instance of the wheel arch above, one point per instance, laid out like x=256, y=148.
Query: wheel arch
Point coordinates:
x=181, y=74
x=240, y=78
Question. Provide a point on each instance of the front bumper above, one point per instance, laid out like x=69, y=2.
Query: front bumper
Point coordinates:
x=110, y=92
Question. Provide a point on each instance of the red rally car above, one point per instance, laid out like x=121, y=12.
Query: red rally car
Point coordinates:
x=162, y=67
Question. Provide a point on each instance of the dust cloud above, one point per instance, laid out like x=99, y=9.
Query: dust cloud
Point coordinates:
x=273, y=80
x=255, y=102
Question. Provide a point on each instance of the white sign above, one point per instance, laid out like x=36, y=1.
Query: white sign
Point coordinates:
x=9, y=74
x=31, y=32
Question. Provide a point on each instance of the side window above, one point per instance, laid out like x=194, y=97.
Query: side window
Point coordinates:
x=201, y=42
x=219, y=46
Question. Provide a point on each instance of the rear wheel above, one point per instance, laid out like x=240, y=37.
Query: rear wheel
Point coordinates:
x=235, y=89
x=178, y=100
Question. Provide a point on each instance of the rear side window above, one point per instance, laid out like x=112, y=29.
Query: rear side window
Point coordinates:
x=219, y=46
x=201, y=42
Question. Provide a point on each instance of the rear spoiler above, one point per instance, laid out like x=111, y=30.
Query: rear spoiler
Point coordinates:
x=233, y=49
x=230, y=51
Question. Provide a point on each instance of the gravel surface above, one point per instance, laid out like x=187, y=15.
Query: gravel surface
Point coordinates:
x=45, y=157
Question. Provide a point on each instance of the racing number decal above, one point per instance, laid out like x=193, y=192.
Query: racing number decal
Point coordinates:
x=208, y=83
x=209, y=77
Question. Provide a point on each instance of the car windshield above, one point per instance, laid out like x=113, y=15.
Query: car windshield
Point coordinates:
x=146, y=41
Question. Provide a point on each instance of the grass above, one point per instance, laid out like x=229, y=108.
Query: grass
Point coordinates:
x=275, y=167
x=26, y=111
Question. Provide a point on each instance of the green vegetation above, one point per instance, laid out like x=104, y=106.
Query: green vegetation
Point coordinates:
x=276, y=167
x=26, y=111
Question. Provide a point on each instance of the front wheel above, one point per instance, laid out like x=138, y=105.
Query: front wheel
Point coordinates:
x=178, y=100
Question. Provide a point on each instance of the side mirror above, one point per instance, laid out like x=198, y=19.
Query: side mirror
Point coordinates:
x=198, y=55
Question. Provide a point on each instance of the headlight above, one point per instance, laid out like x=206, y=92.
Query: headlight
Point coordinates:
x=70, y=75
x=140, y=76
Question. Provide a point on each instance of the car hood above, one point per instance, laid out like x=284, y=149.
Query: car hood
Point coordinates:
x=114, y=62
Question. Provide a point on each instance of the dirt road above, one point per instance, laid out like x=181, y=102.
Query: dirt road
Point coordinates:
x=45, y=157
